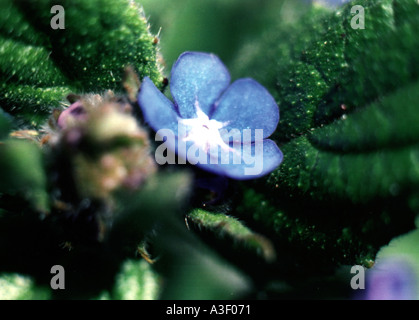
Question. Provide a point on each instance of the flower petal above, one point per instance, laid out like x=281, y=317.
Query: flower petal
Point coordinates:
x=247, y=105
x=257, y=160
x=159, y=112
x=197, y=76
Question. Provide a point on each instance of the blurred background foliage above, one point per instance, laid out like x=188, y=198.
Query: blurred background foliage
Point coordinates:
x=348, y=185
x=216, y=26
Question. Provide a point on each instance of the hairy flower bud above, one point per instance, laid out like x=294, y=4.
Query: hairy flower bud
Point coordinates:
x=97, y=149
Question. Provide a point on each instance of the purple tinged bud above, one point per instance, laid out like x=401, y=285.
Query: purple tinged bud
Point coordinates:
x=74, y=113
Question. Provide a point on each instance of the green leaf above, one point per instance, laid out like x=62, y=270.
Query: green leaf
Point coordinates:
x=40, y=65
x=14, y=25
x=136, y=281
x=22, y=172
x=31, y=82
x=215, y=26
x=348, y=131
x=229, y=226
x=5, y=124
x=194, y=271
x=189, y=269
x=18, y=287
x=274, y=59
x=154, y=203
x=320, y=68
x=333, y=161
x=31, y=105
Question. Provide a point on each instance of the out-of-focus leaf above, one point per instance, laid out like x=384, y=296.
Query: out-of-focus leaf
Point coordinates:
x=5, y=124
x=136, y=281
x=159, y=201
x=193, y=271
x=22, y=172
x=218, y=26
x=190, y=270
x=18, y=287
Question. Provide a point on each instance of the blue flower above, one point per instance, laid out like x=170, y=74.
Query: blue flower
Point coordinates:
x=391, y=279
x=219, y=127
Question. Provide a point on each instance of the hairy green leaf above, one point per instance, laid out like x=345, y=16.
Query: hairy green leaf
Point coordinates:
x=320, y=68
x=348, y=131
x=225, y=225
x=40, y=65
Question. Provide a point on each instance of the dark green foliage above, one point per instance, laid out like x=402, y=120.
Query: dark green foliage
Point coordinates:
x=349, y=112
x=39, y=65
x=320, y=68
x=22, y=172
x=5, y=124
x=227, y=226
x=183, y=259
x=216, y=26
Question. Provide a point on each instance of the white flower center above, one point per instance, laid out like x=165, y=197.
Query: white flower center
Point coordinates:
x=204, y=132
